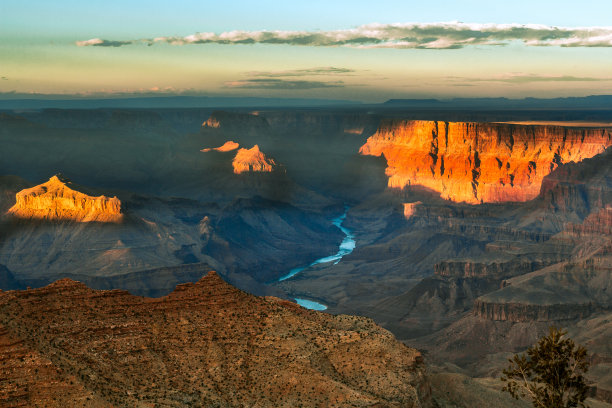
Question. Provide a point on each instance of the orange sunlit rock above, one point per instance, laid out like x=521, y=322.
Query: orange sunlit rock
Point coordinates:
x=56, y=200
x=410, y=209
x=480, y=162
x=252, y=160
x=227, y=147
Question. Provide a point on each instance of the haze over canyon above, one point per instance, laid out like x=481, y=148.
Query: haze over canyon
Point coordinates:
x=155, y=256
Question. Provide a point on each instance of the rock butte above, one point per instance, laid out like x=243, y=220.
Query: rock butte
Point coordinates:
x=55, y=200
x=226, y=147
x=252, y=160
x=206, y=344
x=479, y=162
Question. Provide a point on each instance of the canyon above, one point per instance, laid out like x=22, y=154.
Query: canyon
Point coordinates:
x=468, y=237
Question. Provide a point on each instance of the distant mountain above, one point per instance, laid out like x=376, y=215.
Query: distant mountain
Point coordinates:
x=165, y=102
x=587, y=102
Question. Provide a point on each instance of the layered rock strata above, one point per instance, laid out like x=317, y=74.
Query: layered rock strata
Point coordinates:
x=480, y=162
x=205, y=344
x=59, y=200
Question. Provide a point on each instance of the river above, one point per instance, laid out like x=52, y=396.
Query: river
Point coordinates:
x=346, y=247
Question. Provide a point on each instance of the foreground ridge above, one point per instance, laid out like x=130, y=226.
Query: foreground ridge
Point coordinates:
x=205, y=344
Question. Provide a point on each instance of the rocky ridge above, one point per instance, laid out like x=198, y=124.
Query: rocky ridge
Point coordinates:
x=205, y=344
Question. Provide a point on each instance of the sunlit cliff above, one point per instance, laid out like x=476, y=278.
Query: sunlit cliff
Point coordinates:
x=58, y=199
x=480, y=162
x=252, y=159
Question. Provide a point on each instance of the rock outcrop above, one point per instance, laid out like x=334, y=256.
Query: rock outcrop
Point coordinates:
x=252, y=160
x=59, y=200
x=480, y=162
x=226, y=147
x=205, y=344
x=410, y=209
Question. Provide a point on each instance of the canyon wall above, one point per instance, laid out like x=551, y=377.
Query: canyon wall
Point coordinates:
x=524, y=312
x=480, y=162
x=55, y=200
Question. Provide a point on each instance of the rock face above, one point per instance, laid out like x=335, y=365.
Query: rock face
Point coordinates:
x=58, y=200
x=205, y=344
x=480, y=162
x=252, y=160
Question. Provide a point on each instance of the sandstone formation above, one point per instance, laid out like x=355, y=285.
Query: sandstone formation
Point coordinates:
x=226, y=147
x=205, y=344
x=480, y=162
x=58, y=200
x=252, y=160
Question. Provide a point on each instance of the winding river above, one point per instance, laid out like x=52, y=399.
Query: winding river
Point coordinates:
x=346, y=247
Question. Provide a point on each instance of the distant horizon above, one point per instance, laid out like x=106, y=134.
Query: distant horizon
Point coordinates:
x=68, y=97
x=341, y=50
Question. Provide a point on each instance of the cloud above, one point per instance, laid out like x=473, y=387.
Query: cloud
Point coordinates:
x=97, y=42
x=451, y=35
x=521, y=78
x=279, y=84
x=4, y=78
x=303, y=72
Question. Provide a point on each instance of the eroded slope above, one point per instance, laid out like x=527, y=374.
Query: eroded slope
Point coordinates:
x=205, y=344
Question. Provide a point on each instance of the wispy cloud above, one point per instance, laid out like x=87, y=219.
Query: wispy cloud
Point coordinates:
x=522, y=78
x=303, y=72
x=280, y=84
x=106, y=93
x=451, y=35
x=4, y=78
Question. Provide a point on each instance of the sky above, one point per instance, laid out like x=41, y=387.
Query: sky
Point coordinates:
x=368, y=51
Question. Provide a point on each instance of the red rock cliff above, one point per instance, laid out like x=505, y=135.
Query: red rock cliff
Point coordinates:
x=480, y=162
